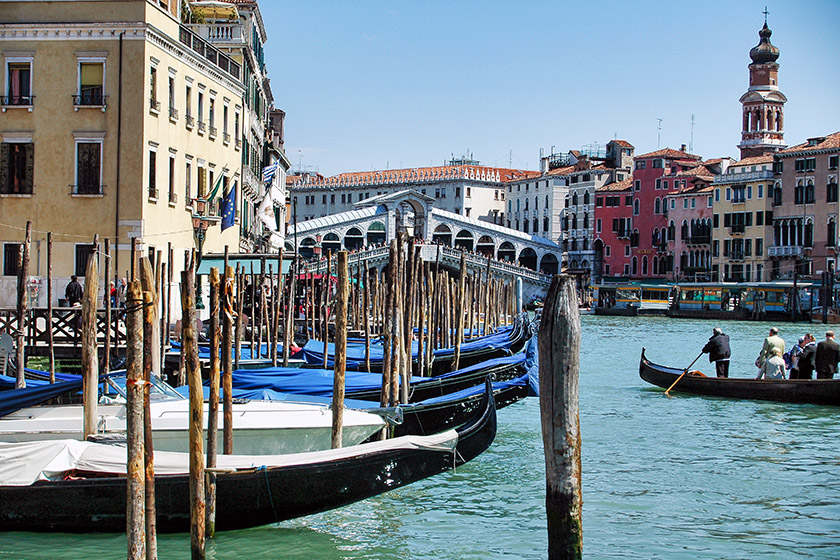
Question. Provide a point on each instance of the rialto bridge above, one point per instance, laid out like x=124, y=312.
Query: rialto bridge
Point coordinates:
x=377, y=220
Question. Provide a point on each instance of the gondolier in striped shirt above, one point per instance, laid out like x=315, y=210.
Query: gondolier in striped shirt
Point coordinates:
x=718, y=350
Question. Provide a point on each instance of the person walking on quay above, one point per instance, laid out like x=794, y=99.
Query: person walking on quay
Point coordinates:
x=718, y=350
x=772, y=341
x=827, y=356
x=73, y=292
x=773, y=367
x=806, y=360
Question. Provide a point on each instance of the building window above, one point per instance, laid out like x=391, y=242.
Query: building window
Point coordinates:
x=83, y=253
x=831, y=191
x=832, y=162
x=759, y=247
x=717, y=195
x=710, y=202
x=457, y=192
x=760, y=191
x=18, y=82
x=637, y=185
x=657, y=164
x=188, y=184
x=154, y=104
x=91, y=83
x=636, y=207
x=11, y=258
x=173, y=197
x=831, y=233
x=641, y=164
x=17, y=165
x=88, y=168
x=152, y=184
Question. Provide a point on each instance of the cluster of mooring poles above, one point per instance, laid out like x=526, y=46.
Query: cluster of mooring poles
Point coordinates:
x=409, y=300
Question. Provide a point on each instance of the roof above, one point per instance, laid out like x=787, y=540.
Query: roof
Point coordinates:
x=755, y=160
x=702, y=189
x=334, y=219
x=617, y=186
x=562, y=170
x=830, y=142
x=422, y=174
x=479, y=224
x=623, y=143
x=668, y=153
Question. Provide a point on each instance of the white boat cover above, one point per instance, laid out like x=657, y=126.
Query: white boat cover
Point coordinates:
x=22, y=464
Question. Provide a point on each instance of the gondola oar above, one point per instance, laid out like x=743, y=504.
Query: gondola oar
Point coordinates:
x=683, y=373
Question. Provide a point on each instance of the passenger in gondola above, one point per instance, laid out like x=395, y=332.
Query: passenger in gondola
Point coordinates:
x=773, y=367
x=806, y=361
x=827, y=356
x=793, y=357
x=772, y=341
x=719, y=352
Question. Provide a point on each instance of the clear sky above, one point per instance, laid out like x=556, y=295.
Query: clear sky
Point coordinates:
x=377, y=85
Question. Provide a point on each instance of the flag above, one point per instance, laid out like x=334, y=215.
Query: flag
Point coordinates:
x=209, y=198
x=268, y=172
x=229, y=207
x=265, y=212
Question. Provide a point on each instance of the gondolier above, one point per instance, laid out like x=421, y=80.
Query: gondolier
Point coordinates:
x=718, y=350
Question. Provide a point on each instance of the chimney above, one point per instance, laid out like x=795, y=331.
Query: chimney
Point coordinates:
x=682, y=147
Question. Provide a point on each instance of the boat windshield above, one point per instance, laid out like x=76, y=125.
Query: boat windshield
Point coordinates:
x=160, y=390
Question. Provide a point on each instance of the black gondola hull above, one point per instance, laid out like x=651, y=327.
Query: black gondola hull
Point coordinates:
x=814, y=391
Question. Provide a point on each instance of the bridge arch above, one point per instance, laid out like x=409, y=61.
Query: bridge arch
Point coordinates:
x=486, y=246
x=353, y=239
x=549, y=264
x=306, y=248
x=464, y=239
x=528, y=258
x=376, y=233
x=442, y=235
x=331, y=242
x=507, y=252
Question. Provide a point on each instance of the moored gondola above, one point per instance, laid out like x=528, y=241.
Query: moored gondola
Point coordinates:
x=87, y=492
x=816, y=391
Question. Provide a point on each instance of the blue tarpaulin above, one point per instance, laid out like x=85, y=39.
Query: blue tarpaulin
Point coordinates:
x=36, y=392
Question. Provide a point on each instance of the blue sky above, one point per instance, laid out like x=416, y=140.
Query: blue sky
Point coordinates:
x=376, y=85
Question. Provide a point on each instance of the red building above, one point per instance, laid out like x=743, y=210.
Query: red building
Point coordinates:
x=613, y=224
x=654, y=177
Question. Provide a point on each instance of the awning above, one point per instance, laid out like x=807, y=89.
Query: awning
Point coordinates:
x=215, y=10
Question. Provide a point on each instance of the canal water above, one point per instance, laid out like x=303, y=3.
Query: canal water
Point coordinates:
x=684, y=477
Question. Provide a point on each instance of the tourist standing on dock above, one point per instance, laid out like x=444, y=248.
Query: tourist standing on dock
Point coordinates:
x=719, y=352
x=827, y=356
x=773, y=367
x=772, y=341
x=73, y=292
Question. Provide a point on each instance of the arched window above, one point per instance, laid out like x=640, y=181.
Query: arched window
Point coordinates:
x=657, y=206
x=546, y=202
x=831, y=233
x=586, y=197
x=777, y=194
x=684, y=230
x=526, y=204
x=636, y=207
x=585, y=220
x=655, y=265
x=517, y=205
x=644, y=265
x=574, y=199
x=831, y=190
x=536, y=203
x=672, y=231
x=808, y=240
x=634, y=267
x=809, y=192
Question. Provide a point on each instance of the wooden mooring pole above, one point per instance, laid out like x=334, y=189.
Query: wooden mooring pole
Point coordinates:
x=50, y=307
x=22, y=304
x=559, y=353
x=149, y=321
x=135, y=475
x=90, y=363
x=340, y=349
x=213, y=402
x=227, y=361
x=190, y=349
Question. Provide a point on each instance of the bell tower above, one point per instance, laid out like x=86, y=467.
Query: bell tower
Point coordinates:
x=762, y=130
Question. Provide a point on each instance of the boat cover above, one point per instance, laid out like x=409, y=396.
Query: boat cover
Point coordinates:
x=313, y=350
x=36, y=392
x=319, y=382
x=22, y=464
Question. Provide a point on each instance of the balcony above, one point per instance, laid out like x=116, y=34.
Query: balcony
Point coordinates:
x=226, y=138
x=700, y=240
x=90, y=100
x=190, y=121
x=238, y=143
x=203, y=48
x=173, y=198
x=202, y=127
x=154, y=105
x=736, y=256
x=153, y=193
x=213, y=132
x=219, y=33
x=739, y=200
x=18, y=101
x=743, y=177
x=86, y=189
x=173, y=114
x=737, y=228
x=784, y=251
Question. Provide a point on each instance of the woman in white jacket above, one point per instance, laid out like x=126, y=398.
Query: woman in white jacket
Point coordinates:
x=773, y=367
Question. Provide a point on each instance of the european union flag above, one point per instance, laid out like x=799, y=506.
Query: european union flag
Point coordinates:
x=229, y=208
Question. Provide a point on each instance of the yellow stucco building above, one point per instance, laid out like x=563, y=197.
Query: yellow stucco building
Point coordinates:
x=115, y=118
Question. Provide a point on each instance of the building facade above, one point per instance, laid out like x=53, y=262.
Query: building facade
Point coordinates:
x=805, y=208
x=96, y=137
x=613, y=226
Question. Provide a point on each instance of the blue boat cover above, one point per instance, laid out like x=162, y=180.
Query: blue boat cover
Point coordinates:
x=36, y=392
x=313, y=351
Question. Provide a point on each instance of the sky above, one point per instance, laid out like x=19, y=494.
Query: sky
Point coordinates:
x=388, y=85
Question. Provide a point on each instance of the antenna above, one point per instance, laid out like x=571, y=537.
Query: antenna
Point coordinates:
x=691, y=141
x=766, y=13
x=510, y=159
x=658, y=132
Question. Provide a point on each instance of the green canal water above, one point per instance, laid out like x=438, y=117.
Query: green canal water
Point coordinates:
x=667, y=478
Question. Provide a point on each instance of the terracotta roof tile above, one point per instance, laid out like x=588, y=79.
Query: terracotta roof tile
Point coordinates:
x=623, y=143
x=832, y=141
x=755, y=160
x=668, y=153
x=617, y=186
x=424, y=174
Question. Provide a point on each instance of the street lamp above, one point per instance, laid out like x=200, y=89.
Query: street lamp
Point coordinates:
x=200, y=225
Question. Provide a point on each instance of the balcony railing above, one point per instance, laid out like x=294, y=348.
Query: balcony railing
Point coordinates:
x=238, y=143
x=202, y=127
x=190, y=121
x=784, y=251
x=739, y=200
x=17, y=101
x=173, y=114
x=90, y=99
x=736, y=255
x=743, y=177
x=203, y=48
x=87, y=189
x=26, y=189
x=737, y=228
x=154, y=105
x=213, y=131
x=153, y=193
x=218, y=32
x=226, y=138
x=173, y=198
x=699, y=239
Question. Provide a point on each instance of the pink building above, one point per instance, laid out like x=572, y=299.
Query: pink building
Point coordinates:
x=613, y=224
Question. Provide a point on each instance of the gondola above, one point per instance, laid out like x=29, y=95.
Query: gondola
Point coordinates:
x=89, y=493
x=813, y=391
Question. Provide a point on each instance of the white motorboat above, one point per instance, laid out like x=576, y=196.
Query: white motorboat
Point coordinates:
x=260, y=427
